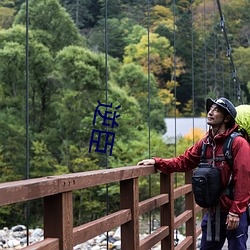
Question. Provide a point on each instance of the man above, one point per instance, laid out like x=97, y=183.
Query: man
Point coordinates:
x=221, y=115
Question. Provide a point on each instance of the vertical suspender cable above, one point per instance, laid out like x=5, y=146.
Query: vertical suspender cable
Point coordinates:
x=215, y=51
x=27, y=111
x=149, y=122
x=174, y=73
x=205, y=50
x=229, y=84
x=106, y=82
x=193, y=109
x=175, y=95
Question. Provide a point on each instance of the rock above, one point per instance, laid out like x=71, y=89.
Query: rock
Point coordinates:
x=95, y=248
x=111, y=239
x=3, y=233
x=16, y=238
x=117, y=234
x=111, y=233
x=18, y=228
x=38, y=232
x=117, y=245
x=100, y=238
x=13, y=243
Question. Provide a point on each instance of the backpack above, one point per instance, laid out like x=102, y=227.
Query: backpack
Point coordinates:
x=206, y=179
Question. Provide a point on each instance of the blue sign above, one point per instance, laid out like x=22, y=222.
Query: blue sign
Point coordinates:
x=109, y=136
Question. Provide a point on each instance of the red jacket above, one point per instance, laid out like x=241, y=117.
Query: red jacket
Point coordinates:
x=241, y=167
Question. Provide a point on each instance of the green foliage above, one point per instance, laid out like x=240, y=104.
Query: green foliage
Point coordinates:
x=136, y=83
x=6, y=17
x=84, y=13
x=53, y=25
x=42, y=162
x=242, y=63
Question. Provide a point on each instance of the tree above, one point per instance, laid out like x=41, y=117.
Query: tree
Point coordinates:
x=161, y=57
x=132, y=78
x=6, y=17
x=53, y=25
x=242, y=64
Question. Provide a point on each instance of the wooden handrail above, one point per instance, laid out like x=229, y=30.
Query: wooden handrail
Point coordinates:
x=56, y=191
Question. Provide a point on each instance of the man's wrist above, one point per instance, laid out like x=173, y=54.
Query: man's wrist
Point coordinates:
x=233, y=214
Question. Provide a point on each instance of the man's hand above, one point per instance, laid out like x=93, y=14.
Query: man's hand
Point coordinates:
x=232, y=221
x=146, y=162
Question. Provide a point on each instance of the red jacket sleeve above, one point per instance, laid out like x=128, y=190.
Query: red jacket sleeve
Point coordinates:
x=241, y=175
x=183, y=163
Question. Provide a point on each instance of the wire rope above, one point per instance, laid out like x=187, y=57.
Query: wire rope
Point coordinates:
x=149, y=121
x=106, y=93
x=174, y=72
x=192, y=73
x=27, y=207
x=205, y=49
x=215, y=52
x=175, y=95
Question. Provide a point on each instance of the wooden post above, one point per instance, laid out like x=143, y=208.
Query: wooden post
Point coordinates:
x=58, y=219
x=190, y=205
x=129, y=196
x=167, y=210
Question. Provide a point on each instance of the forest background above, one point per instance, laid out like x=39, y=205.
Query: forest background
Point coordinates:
x=124, y=52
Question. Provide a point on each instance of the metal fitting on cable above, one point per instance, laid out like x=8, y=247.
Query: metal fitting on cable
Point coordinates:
x=234, y=75
x=229, y=51
x=222, y=24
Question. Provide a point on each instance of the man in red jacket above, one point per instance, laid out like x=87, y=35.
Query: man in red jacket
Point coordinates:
x=221, y=115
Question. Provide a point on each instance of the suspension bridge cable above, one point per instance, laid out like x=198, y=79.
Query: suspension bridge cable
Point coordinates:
x=229, y=52
x=174, y=72
x=192, y=73
x=215, y=52
x=205, y=49
x=106, y=83
x=149, y=121
x=175, y=95
x=27, y=207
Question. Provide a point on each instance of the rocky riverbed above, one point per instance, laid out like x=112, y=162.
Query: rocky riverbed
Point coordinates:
x=16, y=238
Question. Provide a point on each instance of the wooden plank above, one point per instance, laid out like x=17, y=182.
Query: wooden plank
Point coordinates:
x=185, y=244
x=182, y=218
x=90, y=230
x=24, y=190
x=178, y=192
x=198, y=209
x=198, y=231
x=99, y=177
x=190, y=205
x=58, y=219
x=129, y=196
x=154, y=238
x=167, y=210
x=46, y=244
x=152, y=203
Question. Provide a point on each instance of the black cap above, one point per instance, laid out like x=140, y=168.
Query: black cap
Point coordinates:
x=223, y=103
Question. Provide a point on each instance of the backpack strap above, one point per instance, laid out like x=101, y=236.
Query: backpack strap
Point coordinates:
x=227, y=151
x=203, y=152
x=227, y=148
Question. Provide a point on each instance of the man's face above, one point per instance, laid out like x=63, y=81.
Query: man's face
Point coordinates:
x=215, y=116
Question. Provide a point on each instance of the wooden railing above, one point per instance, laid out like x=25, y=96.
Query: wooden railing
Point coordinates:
x=59, y=232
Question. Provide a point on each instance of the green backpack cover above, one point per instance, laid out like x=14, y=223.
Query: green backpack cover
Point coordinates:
x=243, y=119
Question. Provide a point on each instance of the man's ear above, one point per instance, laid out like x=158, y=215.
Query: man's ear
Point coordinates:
x=228, y=118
